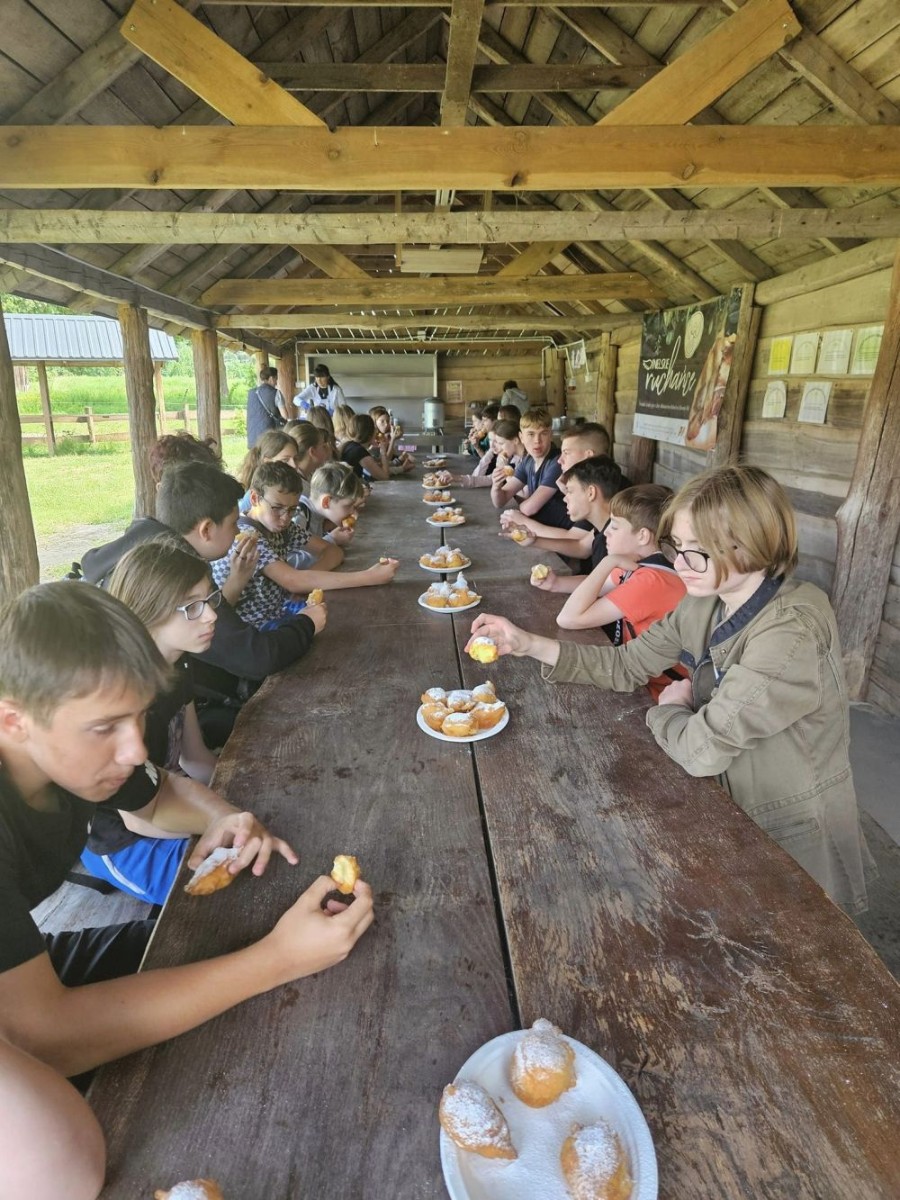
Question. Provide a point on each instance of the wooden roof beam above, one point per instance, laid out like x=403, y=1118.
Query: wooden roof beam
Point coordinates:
x=387, y=159
x=433, y=292
x=374, y=75
x=465, y=23
x=710, y=67
x=323, y=319
x=444, y=3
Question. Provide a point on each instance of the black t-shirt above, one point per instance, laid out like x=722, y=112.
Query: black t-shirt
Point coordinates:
x=38, y=849
x=353, y=453
x=109, y=832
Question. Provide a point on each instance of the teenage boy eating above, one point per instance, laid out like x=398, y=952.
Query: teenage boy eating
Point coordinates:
x=77, y=671
x=589, y=486
x=536, y=476
x=583, y=441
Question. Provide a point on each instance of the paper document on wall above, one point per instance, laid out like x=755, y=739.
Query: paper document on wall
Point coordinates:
x=775, y=400
x=803, y=357
x=866, y=349
x=834, y=354
x=814, y=403
x=780, y=355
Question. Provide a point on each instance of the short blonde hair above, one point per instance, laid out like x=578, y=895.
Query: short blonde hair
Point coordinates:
x=536, y=418
x=742, y=517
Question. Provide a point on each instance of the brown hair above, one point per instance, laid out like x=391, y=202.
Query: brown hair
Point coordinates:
x=742, y=517
x=155, y=577
x=362, y=428
x=641, y=506
x=506, y=430
x=536, y=418
x=61, y=641
x=306, y=435
x=270, y=443
x=321, y=418
x=181, y=447
x=279, y=475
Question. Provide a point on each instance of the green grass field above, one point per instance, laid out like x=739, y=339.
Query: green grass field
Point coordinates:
x=106, y=394
x=94, y=487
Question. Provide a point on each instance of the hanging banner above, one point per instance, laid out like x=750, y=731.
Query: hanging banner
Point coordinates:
x=686, y=356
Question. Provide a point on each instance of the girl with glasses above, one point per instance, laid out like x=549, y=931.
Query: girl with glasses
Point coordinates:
x=170, y=590
x=765, y=709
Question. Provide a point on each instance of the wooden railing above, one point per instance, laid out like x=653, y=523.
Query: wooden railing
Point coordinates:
x=183, y=418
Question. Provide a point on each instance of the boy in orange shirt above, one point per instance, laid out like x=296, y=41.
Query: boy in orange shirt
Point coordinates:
x=634, y=585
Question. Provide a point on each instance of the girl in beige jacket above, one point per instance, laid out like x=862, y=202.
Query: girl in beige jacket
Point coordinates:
x=765, y=709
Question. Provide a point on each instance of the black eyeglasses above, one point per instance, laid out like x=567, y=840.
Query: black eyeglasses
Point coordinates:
x=280, y=509
x=193, y=610
x=695, y=560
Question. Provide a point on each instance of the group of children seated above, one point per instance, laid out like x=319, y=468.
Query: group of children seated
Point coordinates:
x=111, y=697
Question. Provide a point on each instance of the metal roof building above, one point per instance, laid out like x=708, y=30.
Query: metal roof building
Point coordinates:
x=75, y=340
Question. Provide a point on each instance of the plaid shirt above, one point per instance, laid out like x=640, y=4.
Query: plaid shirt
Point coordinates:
x=263, y=599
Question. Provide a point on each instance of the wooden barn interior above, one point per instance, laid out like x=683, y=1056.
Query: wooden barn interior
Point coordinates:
x=489, y=183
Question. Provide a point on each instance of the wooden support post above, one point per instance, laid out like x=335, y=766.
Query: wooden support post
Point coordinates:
x=138, y=368
x=287, y=380
x=607, y=359
x=186, y=417
x=869, y=519
x=262, y=360
x=206, y=377
x=44, y=387
x=160, y=391
x=641, y=459
x=18, y=549
x=731, y=415
x=89, y=421
x=223, y=376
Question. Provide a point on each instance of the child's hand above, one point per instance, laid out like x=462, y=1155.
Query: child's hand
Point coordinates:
x=245, y=833
x=318, y=614
x=447, y=477
x=499, y=476
x=244, y=557
x=308, y=939
x=547, y=583
x=518, y=534
x=383, y=572
x=680, y=691
x=341, y=536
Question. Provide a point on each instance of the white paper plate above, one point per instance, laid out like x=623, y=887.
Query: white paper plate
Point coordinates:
x=445, y=524
x=448, y=570
x=448, y=609
x=538, y=1133
x=476, y=737
x=439, y=503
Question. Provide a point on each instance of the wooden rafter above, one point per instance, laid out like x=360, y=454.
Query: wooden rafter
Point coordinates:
x=193, y=54
x=710, y=67
x=443, y=3
x=610, y=40
x=465, y=22
x=435, y=292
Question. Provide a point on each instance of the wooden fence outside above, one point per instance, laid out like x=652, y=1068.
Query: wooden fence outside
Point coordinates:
x=184, y=418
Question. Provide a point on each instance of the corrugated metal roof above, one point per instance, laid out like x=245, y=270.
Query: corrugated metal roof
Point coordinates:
x=45, y=337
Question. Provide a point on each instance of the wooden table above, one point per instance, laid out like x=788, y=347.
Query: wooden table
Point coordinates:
x=564, y=869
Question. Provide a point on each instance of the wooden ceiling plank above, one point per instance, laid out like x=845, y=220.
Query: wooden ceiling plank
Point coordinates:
x=192, y=53
x=435, y=291
x=839, y=82
x=326, y=4
x=710, y=67
x=462, y=47
x=374, y=75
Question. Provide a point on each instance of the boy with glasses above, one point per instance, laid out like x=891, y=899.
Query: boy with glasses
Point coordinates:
x=198, y=502
x=274, y=591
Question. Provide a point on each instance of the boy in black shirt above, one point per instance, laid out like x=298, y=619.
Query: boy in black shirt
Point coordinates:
x=77, y=671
